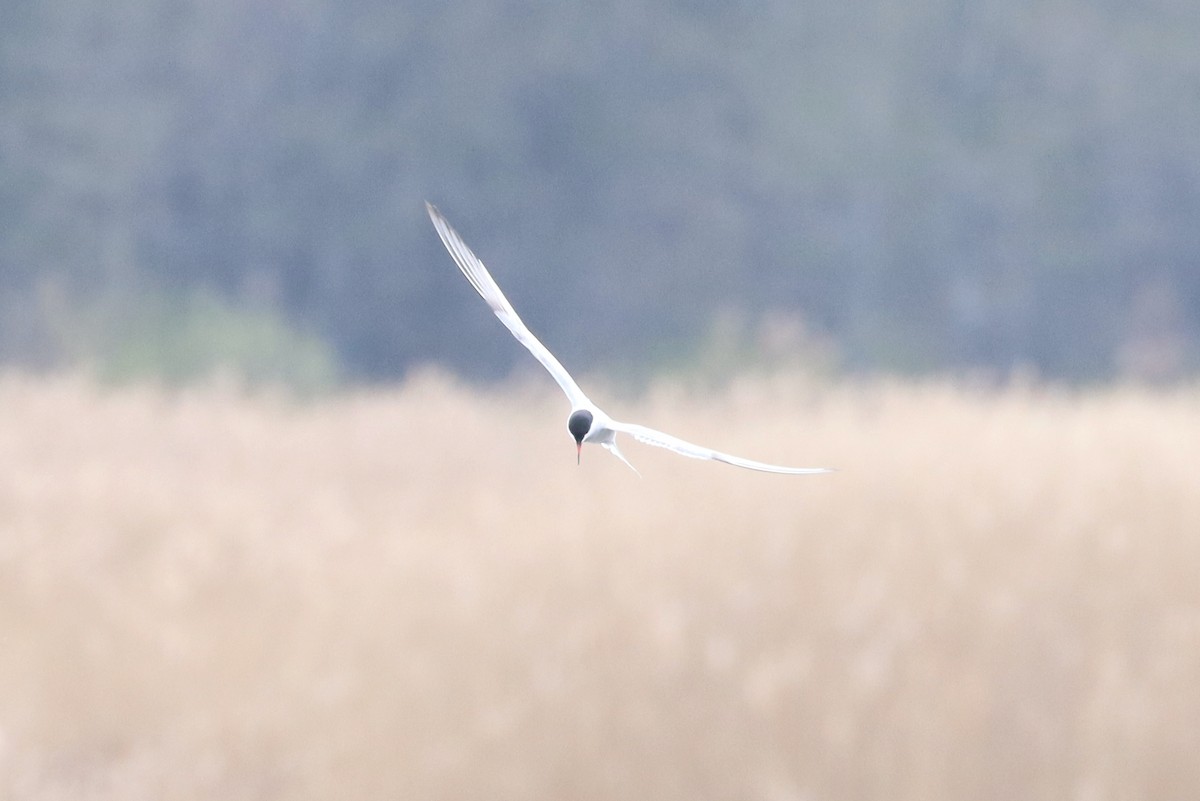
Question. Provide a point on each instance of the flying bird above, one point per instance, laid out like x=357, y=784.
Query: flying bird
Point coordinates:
x=587, y=422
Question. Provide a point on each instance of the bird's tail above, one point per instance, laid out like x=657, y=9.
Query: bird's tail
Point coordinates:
x=612, y=448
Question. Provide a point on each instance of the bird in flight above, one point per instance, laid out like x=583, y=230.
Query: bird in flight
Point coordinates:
x=587, y=422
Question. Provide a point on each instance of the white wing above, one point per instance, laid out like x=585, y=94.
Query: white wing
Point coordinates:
x=651, y=437
x=486, y=286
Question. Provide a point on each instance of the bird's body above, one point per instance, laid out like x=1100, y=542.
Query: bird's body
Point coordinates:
x=587, y=422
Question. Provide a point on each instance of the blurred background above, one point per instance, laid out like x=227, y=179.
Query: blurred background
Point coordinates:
x=880, y=186
x=949, y=248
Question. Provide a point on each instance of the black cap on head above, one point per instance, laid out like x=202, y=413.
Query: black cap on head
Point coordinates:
x=579, y=424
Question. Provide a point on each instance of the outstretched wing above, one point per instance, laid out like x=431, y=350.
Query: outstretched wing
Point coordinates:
x=486, y=286
x=651, y=437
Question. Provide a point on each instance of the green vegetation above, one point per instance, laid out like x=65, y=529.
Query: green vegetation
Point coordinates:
x=198, y=338
x=202, y=337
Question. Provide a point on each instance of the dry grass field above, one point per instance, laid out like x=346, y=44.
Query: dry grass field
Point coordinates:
x=386, y=595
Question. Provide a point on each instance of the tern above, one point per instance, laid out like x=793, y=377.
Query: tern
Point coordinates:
x=587, y=422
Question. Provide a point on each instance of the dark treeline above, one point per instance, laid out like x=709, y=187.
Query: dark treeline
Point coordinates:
x=906, y=185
